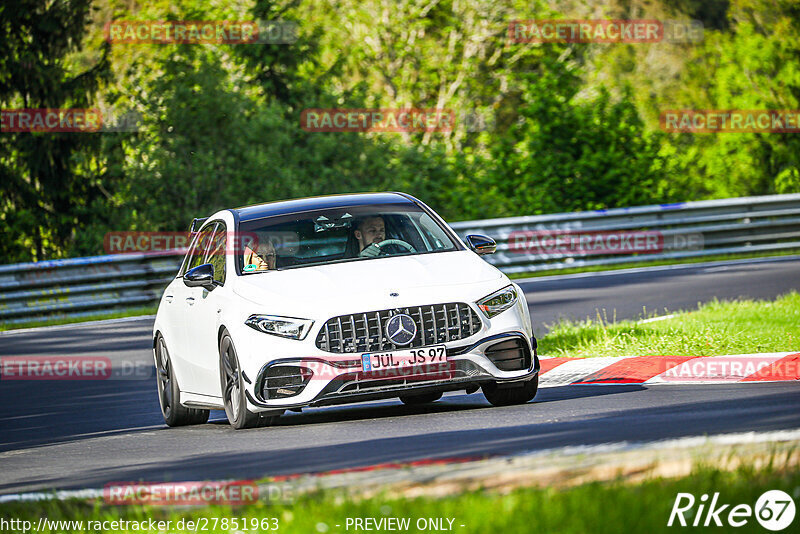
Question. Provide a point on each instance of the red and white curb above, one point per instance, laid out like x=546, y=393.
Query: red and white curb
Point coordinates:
x=768, y=367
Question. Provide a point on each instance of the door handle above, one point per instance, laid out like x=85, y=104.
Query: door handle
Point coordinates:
x=190, y=300
x=168, y=298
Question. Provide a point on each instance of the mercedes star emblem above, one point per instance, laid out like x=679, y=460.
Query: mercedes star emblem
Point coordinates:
x=401, y=329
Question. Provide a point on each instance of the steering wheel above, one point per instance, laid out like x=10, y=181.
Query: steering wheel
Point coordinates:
x=398, y=242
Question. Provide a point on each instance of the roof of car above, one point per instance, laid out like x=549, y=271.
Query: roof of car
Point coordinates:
x=283, y=207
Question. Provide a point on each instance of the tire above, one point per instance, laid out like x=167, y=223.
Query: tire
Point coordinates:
x=169, y=394
x=513, y=395
x=233, y=396
x=421, y=398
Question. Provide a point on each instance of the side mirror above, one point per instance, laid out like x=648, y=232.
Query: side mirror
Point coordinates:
x=480, y=244
x=201, y=276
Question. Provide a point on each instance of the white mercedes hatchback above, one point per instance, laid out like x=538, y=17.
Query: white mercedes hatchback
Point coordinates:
x=334, y=300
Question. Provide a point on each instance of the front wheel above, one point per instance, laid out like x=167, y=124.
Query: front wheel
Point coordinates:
x=509, y=396
x=174, y=413
x=233, y=395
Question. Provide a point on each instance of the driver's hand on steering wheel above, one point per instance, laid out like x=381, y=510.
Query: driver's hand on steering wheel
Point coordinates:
x=370, y=251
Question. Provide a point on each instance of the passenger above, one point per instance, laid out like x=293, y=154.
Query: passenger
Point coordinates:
x=263, y=258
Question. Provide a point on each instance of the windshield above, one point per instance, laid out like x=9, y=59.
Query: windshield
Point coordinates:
x=357, y=233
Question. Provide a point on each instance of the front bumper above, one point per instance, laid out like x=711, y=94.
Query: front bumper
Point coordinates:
x=342, y=381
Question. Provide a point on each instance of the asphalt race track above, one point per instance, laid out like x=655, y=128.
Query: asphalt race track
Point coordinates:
x=79, y=434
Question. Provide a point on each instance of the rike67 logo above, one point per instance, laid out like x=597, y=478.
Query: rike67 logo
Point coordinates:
x=774, y=510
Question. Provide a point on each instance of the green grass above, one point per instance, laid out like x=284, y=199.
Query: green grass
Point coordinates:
x=716, y=328
x=634, y=265
x=610, y=507
x=133, y=312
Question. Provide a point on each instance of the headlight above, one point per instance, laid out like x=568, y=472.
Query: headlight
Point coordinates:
x=498, y=302
x=280, y=326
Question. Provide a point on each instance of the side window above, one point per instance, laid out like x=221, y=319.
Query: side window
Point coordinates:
x=434, y=233
x=216, y=252
x=197, y=253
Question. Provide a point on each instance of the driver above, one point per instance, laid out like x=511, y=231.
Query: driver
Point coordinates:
x=369, y=231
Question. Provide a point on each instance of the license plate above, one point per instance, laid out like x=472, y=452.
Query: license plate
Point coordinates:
x=403, y=359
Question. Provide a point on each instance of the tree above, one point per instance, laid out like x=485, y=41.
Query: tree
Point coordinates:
x=48, y=180
x=575, y=152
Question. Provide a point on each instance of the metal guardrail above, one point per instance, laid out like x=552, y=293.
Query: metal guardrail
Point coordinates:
x=86, y=286
x=729, y=226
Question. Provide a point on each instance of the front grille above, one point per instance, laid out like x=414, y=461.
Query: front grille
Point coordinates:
x=364, y=332
x=283, y=381
x=510, y=355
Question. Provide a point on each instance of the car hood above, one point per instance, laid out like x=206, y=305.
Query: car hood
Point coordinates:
x=367, y=285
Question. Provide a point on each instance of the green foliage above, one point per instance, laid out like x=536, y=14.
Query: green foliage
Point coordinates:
x=568, y=153
x=568, y=127
x=748, y=59
x=751, y=67
x=49, y=182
